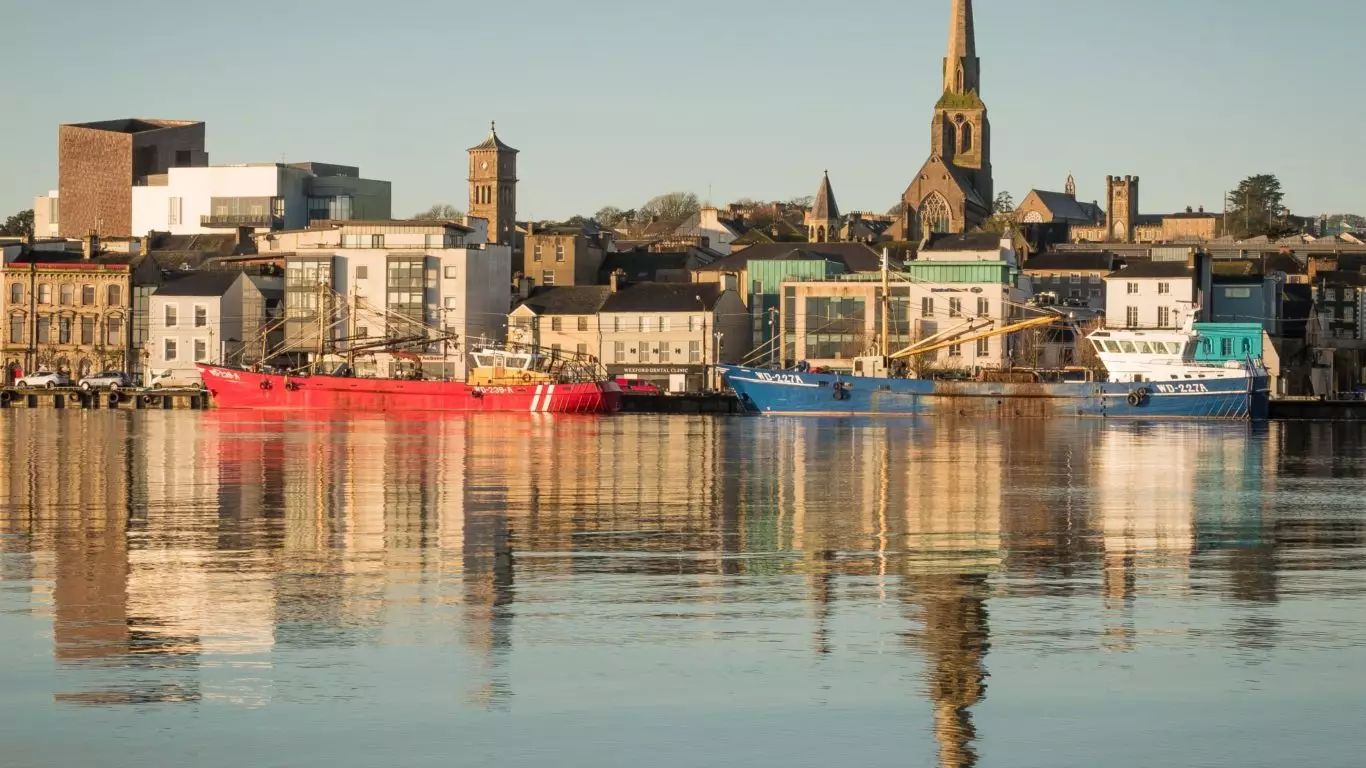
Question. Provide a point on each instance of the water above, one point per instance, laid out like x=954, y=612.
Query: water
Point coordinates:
x=224, y=590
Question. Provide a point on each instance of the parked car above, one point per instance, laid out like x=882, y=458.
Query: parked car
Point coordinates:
x=49, y=379
x=105, y=380
x=173, y=378
x=638, y=387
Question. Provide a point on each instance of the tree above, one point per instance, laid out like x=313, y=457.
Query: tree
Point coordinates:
x=440, y=212
x=611, y=216
x=1002, y=213
x=1004, y=205
x=805, y=201
x=19, y=225
x=1256, y=208
x=672, y=208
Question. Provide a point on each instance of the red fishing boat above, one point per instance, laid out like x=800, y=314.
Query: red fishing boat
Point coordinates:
x=500, y=380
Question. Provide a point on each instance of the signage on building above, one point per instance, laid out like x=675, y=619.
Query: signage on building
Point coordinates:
x=655, y=370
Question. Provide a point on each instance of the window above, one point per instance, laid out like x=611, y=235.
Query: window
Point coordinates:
x=362, y=273
x=556, y=324
x=1095, y=279
x=1329, y=294
x=955, y=307
x=1349, y=294
x=87, y=295
x=1131, y=317
x=452, y=272
x=758, y=287
x=114, y=295
x=1164, y=316
x=63, y=330
x=67, y=295
x=643, y=351
x=694, y=324
x=547, y=277
x=201, y=315
x=967, y=137
x=536, y=253
x=555, y=349
x=927, y=306
x=16, y=293
x=1074, y=278
x=583, y=324
x=1226, y=347
x=617, y=325
x=956, y=350
x=44, y=329
x=694, y=352
x=168, y=350
x=647, y=324
x=451, y=302
x=935, y=214
x=1349, y=314
x=663, y=325
x=377, y=241
x=113, y=332
x=559, y=251
x=619, y=351
x=16, y=329
x=362, y=332
x=664, y=352
x=983, y=347
x=581, y=349
x=1164, y=288
x=1131, y=288
x=171, y=316
x=983, y=307
x=44, y=293
x=201, y=350
x=1237, y=293
x=88, y=329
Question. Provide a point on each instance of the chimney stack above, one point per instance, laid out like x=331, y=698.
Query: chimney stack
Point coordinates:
x=90, y=247
x=145, y=244
x=618, y=280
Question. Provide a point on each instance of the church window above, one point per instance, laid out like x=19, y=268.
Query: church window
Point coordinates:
x=1033, y=217
x=935, y=215
x=966, y=132
x=960, y=80
x=1119, y=230
x=820, y=234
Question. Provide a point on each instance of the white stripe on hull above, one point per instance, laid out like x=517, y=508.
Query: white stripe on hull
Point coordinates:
x=536, y=401
x=550, y=392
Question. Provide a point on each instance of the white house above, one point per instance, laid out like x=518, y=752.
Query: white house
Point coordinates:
x=1154, y=293
x=264, y=196
x=720, y=232
x=440, y=274
x=205, y=317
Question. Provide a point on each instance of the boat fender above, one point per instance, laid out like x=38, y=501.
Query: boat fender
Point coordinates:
x=114, y=399
x=147, y=399
x=291, y=386
x=1135, y=398
x=477, y=392
x=526, y=378
x=265, y=383
x=4, y=397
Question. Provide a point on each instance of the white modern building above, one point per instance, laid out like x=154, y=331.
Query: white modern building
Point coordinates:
x=263, y=196
x=441, y=274
x=205, y=317
x=46, y=215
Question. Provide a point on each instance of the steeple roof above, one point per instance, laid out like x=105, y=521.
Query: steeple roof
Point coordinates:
x=493, y=142
x=962, y=51
x=824, y=208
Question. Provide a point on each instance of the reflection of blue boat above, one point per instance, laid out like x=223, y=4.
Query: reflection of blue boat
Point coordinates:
x=1152, y=375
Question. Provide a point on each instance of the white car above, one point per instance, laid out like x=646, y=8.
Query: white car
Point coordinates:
x=113, y=380
x=177, y=378
x=48, y=379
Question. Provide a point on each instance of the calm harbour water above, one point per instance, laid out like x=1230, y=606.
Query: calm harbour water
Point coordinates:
x=219, y=589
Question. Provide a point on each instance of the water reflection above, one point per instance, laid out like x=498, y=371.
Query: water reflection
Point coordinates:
x=193, y=557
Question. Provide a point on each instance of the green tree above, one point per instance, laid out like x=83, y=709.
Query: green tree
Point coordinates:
x=440, y=212
x=1005, y=204
x=19, y=225
x=1002, y=212
x=1256, y=208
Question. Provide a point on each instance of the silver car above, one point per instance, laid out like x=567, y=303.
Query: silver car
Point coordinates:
x=113, y=380
x=48, y=379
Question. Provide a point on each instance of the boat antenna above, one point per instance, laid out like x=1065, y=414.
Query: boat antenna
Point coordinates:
x=886, y=301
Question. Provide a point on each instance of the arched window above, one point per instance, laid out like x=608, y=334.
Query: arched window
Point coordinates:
x=44, y=293
x=820, y=234
x=16, y=293
x=935, y=214
x=966, y=132
x=959, y=87
x=1119, y=230
x=1033, y=217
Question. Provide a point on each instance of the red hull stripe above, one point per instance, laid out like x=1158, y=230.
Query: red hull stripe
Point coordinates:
x=233, y=388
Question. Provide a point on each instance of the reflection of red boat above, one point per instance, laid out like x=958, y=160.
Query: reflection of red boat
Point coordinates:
x=500, y=381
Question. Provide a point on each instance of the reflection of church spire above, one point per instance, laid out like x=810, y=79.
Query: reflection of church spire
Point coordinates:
x=954, y=639
x=822, y=599
x=489, y=592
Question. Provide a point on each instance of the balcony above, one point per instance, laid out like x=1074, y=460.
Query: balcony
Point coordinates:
x=232, y=220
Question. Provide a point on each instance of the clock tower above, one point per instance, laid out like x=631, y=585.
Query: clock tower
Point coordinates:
x=493, y=187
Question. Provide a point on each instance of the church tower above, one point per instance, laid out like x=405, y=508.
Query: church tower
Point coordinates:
x=823, y=220
x=1071, y=188
x=493, y=187
x=1122, y=216
x=953, y=192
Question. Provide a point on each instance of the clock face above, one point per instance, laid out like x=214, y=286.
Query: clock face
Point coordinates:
x=484, y=166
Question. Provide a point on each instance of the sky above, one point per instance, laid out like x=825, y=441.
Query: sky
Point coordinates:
x=614, y=102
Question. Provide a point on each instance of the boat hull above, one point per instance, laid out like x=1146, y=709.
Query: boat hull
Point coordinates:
x=794, y=392
x=234, y=388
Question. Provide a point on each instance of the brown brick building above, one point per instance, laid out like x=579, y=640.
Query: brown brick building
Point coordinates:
x=493, y=187
x=98, y=164
x=563, y=254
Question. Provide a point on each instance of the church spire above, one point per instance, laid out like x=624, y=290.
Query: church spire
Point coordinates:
x=961, y=65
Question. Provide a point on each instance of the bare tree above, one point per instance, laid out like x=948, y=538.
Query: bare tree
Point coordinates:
x=440, y=212
x=672, y=207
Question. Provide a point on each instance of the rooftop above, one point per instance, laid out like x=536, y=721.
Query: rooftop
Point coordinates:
x=856, y=257
x=663, y=297
x=134, y=125
x=1076, y=261
x=211, y=283
x=567, y=300
x=493, y=142
x=1064, y=206
x=1148, y=268
x=971, y=241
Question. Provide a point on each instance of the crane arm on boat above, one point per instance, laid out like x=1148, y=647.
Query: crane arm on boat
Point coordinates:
x=1037, y=322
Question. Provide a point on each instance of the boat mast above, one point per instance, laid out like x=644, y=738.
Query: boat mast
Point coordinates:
x=322, y=328
x=351, y=332
x=886, y=305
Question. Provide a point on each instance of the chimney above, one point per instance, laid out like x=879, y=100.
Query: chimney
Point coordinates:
x=1188, y=210
x=145, y=244
x=524, y=288
x=530, y=227
x=618, y=280
x=90, y=247
x=1202, y=209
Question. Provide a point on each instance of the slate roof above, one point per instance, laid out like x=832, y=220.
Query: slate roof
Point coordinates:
x=212, y=283
x=1066, y=207
x=209, y=245
x=641, y=265
x=493, y=142
x=856, y=257
x=1342, y=278
x=567, y=300
x=1076, y=261
x=663, y=297
x=970, y=241
x=1149, y=268
x=824, y=208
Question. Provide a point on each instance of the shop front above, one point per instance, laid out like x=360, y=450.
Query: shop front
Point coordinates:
x=669, y=378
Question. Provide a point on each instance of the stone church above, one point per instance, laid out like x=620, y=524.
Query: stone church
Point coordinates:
x=953, y=190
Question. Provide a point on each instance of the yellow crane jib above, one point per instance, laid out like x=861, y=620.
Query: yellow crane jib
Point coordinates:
x=1012, y=328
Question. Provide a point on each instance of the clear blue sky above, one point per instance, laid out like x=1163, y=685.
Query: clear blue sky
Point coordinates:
x=612, y=102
